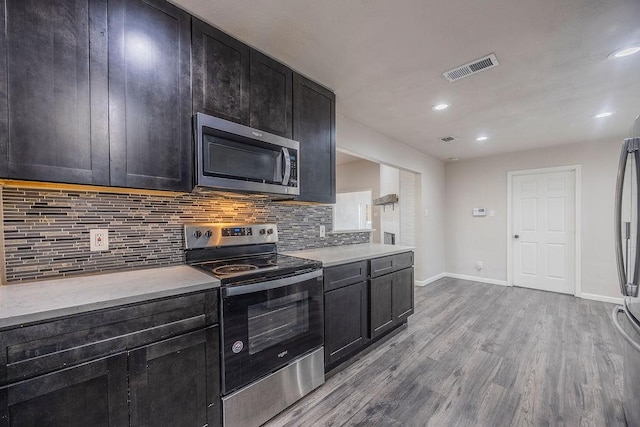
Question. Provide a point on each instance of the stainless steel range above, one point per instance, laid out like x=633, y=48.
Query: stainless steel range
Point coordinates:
x=271, y=318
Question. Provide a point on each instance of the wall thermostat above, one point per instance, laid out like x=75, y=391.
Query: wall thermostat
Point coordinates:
x=479, y=212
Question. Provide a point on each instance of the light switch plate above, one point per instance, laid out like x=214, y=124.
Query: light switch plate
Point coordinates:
x=322, y=231
x=99, y=240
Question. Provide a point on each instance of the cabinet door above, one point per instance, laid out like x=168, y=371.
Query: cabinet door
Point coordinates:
x=402, y=295
x=150, y=95
x=345, y=314
x=176, y=382
x=91, y=394
x=381, y=305
x=314, y=127
x=220, y=74
x=271, y=99
x=53, y=91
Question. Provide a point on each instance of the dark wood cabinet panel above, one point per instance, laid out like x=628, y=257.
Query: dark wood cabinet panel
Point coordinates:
x=380, y=305
x=403, y=295
x=221, y=67
x=271, y=95
x=345, y=321
x=381, y=266
x=314, y=127
x=345, y=274
x=53, y=91
x=92, y=394
x=173, y=382
x=150, y=95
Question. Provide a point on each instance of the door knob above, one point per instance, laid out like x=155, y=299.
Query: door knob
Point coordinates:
x=516, y=236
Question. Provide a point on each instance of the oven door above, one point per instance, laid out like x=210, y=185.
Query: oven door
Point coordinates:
x=266, y=325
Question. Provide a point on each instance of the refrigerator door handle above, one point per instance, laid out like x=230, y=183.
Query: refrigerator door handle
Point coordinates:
x=622, y=273
x=614, y=316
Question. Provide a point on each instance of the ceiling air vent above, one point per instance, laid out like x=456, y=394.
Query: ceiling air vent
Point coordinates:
x=472, y=67
x=447, y=139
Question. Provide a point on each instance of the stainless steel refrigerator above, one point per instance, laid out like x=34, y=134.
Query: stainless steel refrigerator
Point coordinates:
x=627, y=229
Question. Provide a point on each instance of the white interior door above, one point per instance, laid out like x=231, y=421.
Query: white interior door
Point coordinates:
x=543, y=228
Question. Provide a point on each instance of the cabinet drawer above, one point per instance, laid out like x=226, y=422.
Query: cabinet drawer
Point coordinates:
x=47, y=346
x=344, y=275
x=403, y=260
x=390, y=263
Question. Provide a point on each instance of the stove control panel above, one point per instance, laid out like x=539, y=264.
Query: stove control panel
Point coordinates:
x=204, y=235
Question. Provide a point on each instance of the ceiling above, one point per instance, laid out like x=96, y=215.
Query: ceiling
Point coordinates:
x=385, y=59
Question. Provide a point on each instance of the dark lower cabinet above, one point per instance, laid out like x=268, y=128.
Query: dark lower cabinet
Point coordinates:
x=314, y=124
x=220, y=74
x=345, y=321
x=402, y=295
x=91, y=394
x=391, y=301
x=150, y=95
x=271, y=95
x=176, y=382
x=54, y=91
x=154, y=363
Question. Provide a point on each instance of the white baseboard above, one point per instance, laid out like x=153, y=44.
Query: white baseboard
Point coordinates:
x=603, y=298
x=477, y=279
x=430, y=279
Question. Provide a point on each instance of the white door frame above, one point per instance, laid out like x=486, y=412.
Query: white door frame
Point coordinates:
x=577, y=169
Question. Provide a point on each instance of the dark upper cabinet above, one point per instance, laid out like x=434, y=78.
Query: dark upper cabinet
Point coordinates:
x=176, y=382
x=271, y=102
x=314, y=124
x=150, y=95
x=221, y=67
x=91, y=394
x=53, y=91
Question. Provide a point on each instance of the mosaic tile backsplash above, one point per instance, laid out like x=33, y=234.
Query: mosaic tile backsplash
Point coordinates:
x=46, y=232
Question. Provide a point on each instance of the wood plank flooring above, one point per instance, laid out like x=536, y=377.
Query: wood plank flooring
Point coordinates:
x=480, y=355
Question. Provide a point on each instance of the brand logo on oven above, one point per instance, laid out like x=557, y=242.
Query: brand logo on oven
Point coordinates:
x=283, y=354
x=237, y=347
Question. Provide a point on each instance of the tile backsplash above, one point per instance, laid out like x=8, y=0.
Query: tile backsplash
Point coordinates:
x=46, y=232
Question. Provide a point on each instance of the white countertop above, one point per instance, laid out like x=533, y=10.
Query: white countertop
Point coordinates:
x=336, y=255
x=28, y=302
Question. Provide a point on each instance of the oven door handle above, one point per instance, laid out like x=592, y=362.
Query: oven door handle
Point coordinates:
x=232, y=291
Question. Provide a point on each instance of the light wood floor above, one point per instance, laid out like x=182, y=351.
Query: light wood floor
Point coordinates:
x=480, y=355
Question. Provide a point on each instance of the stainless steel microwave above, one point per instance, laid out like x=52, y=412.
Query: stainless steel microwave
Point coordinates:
x=235, y=157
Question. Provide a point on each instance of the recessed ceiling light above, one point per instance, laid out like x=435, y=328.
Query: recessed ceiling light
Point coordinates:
x=603, y=115
x=440, y=107
x=625, y=51
x=482, y=138
x=453, y=159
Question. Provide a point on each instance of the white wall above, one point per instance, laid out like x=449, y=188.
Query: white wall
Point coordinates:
x=360, y=140
x=483, y=183
x=361, y=175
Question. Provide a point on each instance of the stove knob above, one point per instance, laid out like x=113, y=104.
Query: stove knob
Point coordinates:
x=270, y=231
x=208, y=234
x=197, y=234
x=262, y=231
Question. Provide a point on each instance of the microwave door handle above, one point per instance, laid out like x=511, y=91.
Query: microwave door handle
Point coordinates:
x=287, y=166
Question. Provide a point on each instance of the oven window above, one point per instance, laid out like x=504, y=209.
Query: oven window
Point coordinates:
x=277, y=320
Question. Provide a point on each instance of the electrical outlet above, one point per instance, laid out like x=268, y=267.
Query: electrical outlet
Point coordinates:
x=322, y=231
x=479, y=265
x=99, y=240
